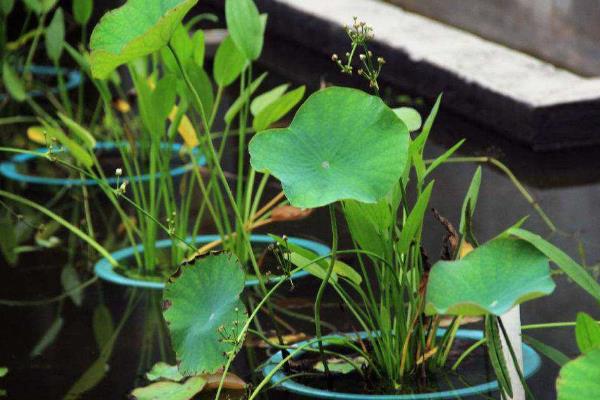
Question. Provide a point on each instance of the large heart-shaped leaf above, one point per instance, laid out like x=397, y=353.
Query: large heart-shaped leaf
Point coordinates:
x=342, y=144
x=204, y=312
x=491, y=279
x=580, y=379
x=138, y=28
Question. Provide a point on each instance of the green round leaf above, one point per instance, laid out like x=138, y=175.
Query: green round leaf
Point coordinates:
x=410, y=117
x=580, y=379
x=245, y=27
x=138, y=28
x=342, y=144
x=229, y=63
x=203, y=311
x=491, y=279
x=170, y=390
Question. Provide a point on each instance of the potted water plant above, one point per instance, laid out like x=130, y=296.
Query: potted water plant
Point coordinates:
x=352, y=151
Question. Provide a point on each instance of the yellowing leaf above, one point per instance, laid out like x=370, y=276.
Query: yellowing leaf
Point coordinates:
x=37, y=135
x=186, y=129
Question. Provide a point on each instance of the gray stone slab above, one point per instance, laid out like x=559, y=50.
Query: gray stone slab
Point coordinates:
x=521, y=97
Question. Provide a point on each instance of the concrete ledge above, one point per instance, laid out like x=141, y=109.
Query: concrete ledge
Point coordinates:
x=519, y=96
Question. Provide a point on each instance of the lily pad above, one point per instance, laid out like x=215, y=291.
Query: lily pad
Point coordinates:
x=162, y=370
x=342, y=144
x=170, y=390
x=204, y=312
x=138, y=28
x=579, y=379
x=491, y=279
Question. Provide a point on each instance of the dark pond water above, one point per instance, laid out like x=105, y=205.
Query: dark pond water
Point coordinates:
x=566, y=185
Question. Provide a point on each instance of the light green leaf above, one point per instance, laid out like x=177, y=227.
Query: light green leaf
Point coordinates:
x=260, y=102
x=558, y=357
x=55, y=36
x=70, y=280
x=170, y=390
x=3, y=372
x=229, y=63
x=245, y=27
x=587, y=333
x=82, y=11
x=82, y=133
x=441, y=159
x=580, y=379
x=489, y=280
x=243, y=98
x=77, y=151
x=202, y=309
x=413, y=226
x=410, y=117
x=278, y=109
x=48, y=338
x=203, y=85
x=342, y=144
x=162, y=370
x=8, y=243
x=138, y=28
x=470, y=200
x=103, y=326
x=573, y=270
x=421, y=140
x=370, y=224
x=342, y=366
x=12, y=83
x=198, y=47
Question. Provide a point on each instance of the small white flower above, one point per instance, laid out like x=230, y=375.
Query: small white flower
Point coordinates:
x=119, y=172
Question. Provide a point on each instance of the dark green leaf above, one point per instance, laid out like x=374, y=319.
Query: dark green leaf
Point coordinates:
x=70, y=280
x=13, y=84
x=470, y=201
x=204, y=312
x=496, y=355
x=82, y=11
x=48, y=338
x=413, y=226
x=8, y=241
x=103, y=326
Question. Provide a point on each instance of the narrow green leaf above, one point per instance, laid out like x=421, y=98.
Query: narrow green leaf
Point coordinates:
x=278, y=109
x=573, y=270
x=370, y=224
x=414, y=223
x=70, y=280
x=441, y=159
x=496, y=355
x=245, y=27
x=48, y=338
x=82, y=11
x=243, y=98
x=77, y=151
x=103, y=326
x=55, y=36
x=198, y=47
x=229, y=63
x=553, y=354
x=422, y=138
x=12, y=83
x=82, y=133
x=587, y=333
x=8, y=241
x=580, y=379
x=470, y=200
x=260, y=102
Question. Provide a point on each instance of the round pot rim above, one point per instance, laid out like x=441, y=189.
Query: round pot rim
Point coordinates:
x=104, y=270
x=531, y=364
x=9, y=168
x=74, y=78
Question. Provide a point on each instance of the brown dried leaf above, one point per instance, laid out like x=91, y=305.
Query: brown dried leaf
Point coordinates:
x=232, y=381
x=290, y=213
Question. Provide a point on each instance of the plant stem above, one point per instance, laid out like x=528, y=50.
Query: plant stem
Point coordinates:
x=324, y=283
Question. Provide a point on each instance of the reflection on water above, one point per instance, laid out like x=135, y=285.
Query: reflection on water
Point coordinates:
x=110, y=362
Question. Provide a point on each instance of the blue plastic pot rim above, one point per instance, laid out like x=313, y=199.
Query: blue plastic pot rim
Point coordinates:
x=531, y=364
x=9, y=168
x=104, y=270
x=74, y=78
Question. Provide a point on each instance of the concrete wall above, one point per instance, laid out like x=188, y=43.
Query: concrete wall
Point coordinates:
x=564, y=32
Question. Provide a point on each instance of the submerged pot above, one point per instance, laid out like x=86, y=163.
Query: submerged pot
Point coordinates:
x=9, y=169
x=531, y=364
x=73, y=79
x=105, y=271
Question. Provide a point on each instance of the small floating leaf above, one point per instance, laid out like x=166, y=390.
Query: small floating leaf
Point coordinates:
x=170, y=390
x=580, y=379
x=204, y=313
x=162, y=370
x=491, y=279
x=342, y=144
x=138, y=28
